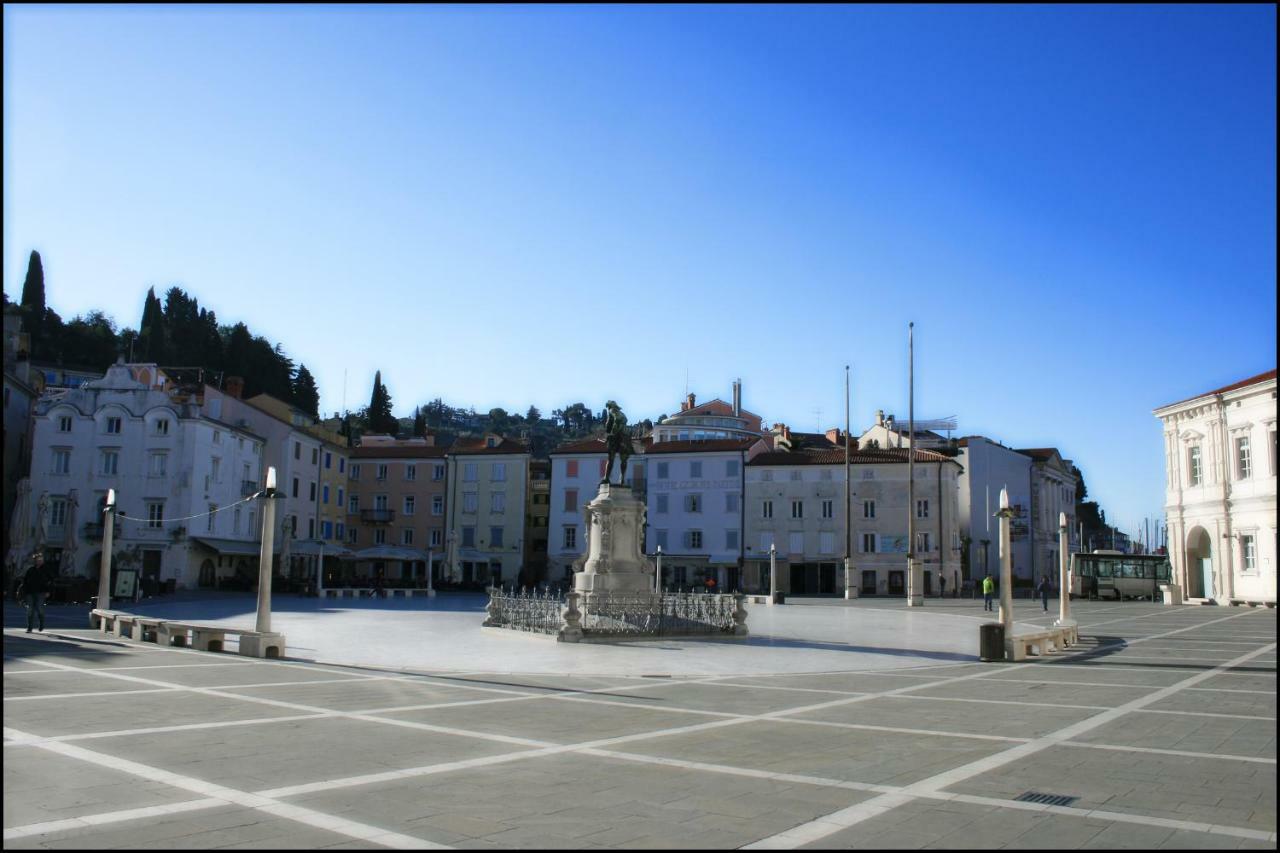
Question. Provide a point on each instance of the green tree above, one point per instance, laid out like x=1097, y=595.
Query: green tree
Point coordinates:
x=379, y=415
x=533, y=416
x=152, y=338
x=33, y=302
x=499, y=421
x=306, y=395
x=90, y=341
x=419, y=423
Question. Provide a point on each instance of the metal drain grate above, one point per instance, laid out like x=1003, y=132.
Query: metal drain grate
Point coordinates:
x=1046, y=799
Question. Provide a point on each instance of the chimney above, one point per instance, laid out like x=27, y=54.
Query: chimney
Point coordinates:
x=833, y=435
x=880, y=417
x=688, y=403
x=234, y=386
x=737, y=397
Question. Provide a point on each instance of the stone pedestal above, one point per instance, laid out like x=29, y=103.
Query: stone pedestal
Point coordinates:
x=267, y=645
x=615, y=560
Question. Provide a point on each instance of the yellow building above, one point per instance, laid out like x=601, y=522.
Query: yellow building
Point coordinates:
x=487, y=479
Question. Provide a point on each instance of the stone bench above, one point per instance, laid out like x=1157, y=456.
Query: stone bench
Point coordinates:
x=205, y=638
x=1043, y=642
x=370, y=592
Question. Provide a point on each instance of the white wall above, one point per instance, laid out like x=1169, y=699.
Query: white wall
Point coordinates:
x=989, y=467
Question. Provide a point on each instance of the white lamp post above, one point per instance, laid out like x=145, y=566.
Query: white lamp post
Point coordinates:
x=1064, y=573
x=657, y=574
x=265, y=555
x=1006, y=563
x=108, y=534
x=431, y=565
x=773, y=573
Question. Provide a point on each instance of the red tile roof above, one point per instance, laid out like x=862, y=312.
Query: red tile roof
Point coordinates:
x=374, y=451
x=717, y=407
x=707, y=446
x=835, y=456
x=476, y=444
x=1243, y=383
x=583, y=445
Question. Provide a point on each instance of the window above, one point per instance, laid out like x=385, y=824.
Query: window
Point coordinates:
x=826, y=542
x=470, y=471
x=409, y=501
x=110, y=462
x=1244, y=458
x=355, y=470
x=311, y=527
x=328, y=459
x=380, y=502
x=324, y=493
x=113, y=426
x=663, y=469
x=235, y=522
x=797, y=509
x=570, y=500
x=570, y=536
x=406, y=536
x=1249, y=551
x=437, y=471
x=379, y=536
x=499, y=472
x=311, y=495
x=868, y=543
x=922, y=509
x=155, y=514
x=353, y=535
x=922, y=542
x=215, y=469
x=693, y=503
x=731, y=540
x=341, y=531
x=437, y=504
x=766, y=509
x=766, y=476
x=795, y=542
x=797, y=476
x=437, y=536
x=497, y=502
x=468, y=537
x=297, y=450
x=381, y=472
x=1193, y=465
x=217, y=436
x=868, y=509
x=315, y=456
x=57, y=512
x=61, y=461
x=159, y=464
x=828, y=509
x=731, y=468
x=731, y=502
x=342, y=464
x=571, y=468
x=411, y=472
x=342, y=495
x=64, y=423
x=353, y=505
x=470, y=502
x=662, y=503
x=660, y=539
x=825, y=474
x=693, y=539
x=495, y=537
x=295, y=487
x=695, y=469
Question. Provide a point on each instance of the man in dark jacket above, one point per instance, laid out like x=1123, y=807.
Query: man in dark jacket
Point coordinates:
x=33, y=589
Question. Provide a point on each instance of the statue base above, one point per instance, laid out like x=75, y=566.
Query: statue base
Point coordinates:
x=615, y=561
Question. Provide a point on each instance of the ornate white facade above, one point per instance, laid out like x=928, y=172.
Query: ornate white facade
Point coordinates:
x=1220, y=493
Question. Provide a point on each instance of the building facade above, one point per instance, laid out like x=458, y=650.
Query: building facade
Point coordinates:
x=397, y=490
x=707, y=421
x=1220, y=491
x=485, y=510
x=537, y=523
x=987, y=466
x=19, y=406
x=1053, y=492
x=577, y=468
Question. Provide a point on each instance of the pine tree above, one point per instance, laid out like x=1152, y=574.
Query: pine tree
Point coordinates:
x=305, y=393
x=419, y=423
x=380, y=418
x=33, y=291
x=151, y=332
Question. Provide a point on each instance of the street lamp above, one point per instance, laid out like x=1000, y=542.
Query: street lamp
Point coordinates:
x=1064, y=589
x=1005, y=515
x=773, y=573
x=657, y=574
x=108, y=534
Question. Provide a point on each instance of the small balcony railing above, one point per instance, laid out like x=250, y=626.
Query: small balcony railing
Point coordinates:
x=377, y=516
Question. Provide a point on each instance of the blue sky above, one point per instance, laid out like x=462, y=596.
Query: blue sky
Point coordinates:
x=515, y=205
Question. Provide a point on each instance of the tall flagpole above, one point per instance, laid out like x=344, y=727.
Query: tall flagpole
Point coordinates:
x=850, y=590
x=915, y=595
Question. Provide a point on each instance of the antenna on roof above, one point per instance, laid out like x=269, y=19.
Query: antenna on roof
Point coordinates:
x=686, y=381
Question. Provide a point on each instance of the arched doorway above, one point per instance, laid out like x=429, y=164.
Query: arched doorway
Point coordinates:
x=1199, y=564
x=208, y=574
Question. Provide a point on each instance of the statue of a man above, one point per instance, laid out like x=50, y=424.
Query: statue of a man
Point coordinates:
x=617, y=440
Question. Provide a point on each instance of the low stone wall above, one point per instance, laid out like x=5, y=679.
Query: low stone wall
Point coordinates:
x=576, y=617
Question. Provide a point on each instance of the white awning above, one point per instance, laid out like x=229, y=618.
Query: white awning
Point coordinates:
x=390, y=552
x=236, y=547
x=311, y=548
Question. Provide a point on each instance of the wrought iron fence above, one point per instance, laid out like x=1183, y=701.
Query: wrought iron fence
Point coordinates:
x=538, y=612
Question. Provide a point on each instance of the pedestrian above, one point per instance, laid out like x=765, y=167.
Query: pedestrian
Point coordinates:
x=988, y=587
x=33, y=588
x=1043, y=589
x=942, y=582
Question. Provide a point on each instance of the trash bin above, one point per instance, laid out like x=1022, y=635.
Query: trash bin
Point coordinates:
x=779, y=598
x=991, y=641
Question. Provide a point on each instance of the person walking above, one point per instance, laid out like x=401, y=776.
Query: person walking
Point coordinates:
x=33, y=589
x=942, y=584
x=1043, y=589
x=988, y=587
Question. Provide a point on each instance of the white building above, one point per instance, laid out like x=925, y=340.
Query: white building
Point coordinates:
x=183, y=480
x=795, y=501
x=1220, y=493
x=695, y=508
x=711, y=420
x=987, y=467
x=576, y=471
x=1053, y=492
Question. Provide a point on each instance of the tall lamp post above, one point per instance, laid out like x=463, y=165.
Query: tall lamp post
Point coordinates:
x=431, y=570
x=108, y=534
x=1005, y=515
x=850, y=589
x=773, y=573
x=1064, y=575
x=915, y=572
x=266, y=554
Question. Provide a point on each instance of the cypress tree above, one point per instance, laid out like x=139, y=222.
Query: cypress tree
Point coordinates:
x=305, y=393
x=33, y=291
x=419, y=423
x=380, y=418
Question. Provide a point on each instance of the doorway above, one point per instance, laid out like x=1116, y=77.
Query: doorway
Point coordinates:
x=827, y=578
x=897, y=582
x=799, y=573
x=868, y=582
x=1199, y=564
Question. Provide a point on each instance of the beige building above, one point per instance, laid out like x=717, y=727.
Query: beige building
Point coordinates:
x=485, y=507
x=536, y=522
x=1220, y=493
x=396, y=506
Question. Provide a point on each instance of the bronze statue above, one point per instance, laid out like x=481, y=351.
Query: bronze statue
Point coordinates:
x=617, y=440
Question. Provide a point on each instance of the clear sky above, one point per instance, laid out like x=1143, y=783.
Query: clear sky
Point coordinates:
x=512, y=205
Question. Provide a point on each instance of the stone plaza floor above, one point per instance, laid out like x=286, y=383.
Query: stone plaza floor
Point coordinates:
x=1159, y=731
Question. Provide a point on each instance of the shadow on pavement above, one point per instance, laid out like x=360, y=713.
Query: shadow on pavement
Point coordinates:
x=779, y=642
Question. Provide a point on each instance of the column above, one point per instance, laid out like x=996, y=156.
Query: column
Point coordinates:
x=1006, y=564
x=1064, y=573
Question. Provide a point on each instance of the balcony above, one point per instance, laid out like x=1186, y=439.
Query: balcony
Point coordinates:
x=377, y=516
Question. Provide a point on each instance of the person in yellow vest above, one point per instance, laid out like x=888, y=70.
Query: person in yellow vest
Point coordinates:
x=988, y=588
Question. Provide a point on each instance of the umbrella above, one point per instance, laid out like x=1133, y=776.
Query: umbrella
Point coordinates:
x=19, y=525
x=286, y=533
x=42, y=519
x=70, y=540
